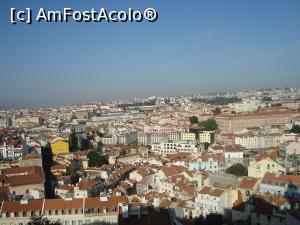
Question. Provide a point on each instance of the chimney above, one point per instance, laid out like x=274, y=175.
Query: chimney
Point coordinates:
x=103, y=198
x=125, y=213
x=143, y=200
x=156, y=203
x=24, y=201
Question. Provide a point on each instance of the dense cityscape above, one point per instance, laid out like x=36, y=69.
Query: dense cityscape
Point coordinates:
x=228, y=158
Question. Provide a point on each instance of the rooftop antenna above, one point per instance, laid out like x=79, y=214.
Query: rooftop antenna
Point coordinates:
x=13, y=104
x=295, y=163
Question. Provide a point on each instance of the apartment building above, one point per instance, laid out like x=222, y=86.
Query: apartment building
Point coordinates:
x=127, y=137
x=265, y=117
x=87, y=188
x=291, y=104
x=31, y=160
x=245, y=107
x=248, y=186
x=25, y=121
x=10, y=151
x=104, y=210
x=210, y=162
x=280, y=184
x=5, y=122
x=259, y=167
x=19, y=180
x=59, y=146
x=171, y=147
x=215, y=200
x=292, y=148
x=110, y=140
x=186, y=136
x=251, y=141
x=233, y=155
x=149, y=138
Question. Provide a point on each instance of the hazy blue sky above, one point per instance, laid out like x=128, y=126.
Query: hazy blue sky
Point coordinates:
x=195, y=47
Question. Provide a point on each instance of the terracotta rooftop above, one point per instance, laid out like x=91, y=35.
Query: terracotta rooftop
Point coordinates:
x=216, y=192
x=247, y=183
x=277, y=179
x=16, y=206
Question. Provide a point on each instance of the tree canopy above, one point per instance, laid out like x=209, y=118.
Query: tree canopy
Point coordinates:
x=194, y=120
x=96, y=159
x=218, y=100
x=39, y=220
x=295, y=129
x=209, y=124
x=122, y=152
x=206, y=145
x=217, y=111
x=99, y=147
x=73, y=141
x=238, y=170
x=84, y=143
x=146, y=103
x=267, y=99
x=72, y=171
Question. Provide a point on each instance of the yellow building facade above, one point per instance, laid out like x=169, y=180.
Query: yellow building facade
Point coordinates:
x=204, y=137
x=257, y=169
x=188, y=136
x=59, y=146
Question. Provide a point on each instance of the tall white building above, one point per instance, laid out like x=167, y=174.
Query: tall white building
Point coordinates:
x=171, y=147
x=259, y=141
x=149, y=138
x=5, y=121
x=10, y=152
x=249, y=106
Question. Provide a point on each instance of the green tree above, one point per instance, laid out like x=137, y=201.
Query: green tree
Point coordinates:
x=72, y=171
x=206, y=145
x=295, y=129
x=99, y=147
x=217, y=111
x=218, y=100
x=74, y=177
x=209, y=124
x=84, y=143
x=238, y=170
x=96, y=159
x=39, y=220
x=267, y=99
x=194, y=120
x=123, y=152
x=73, y=141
